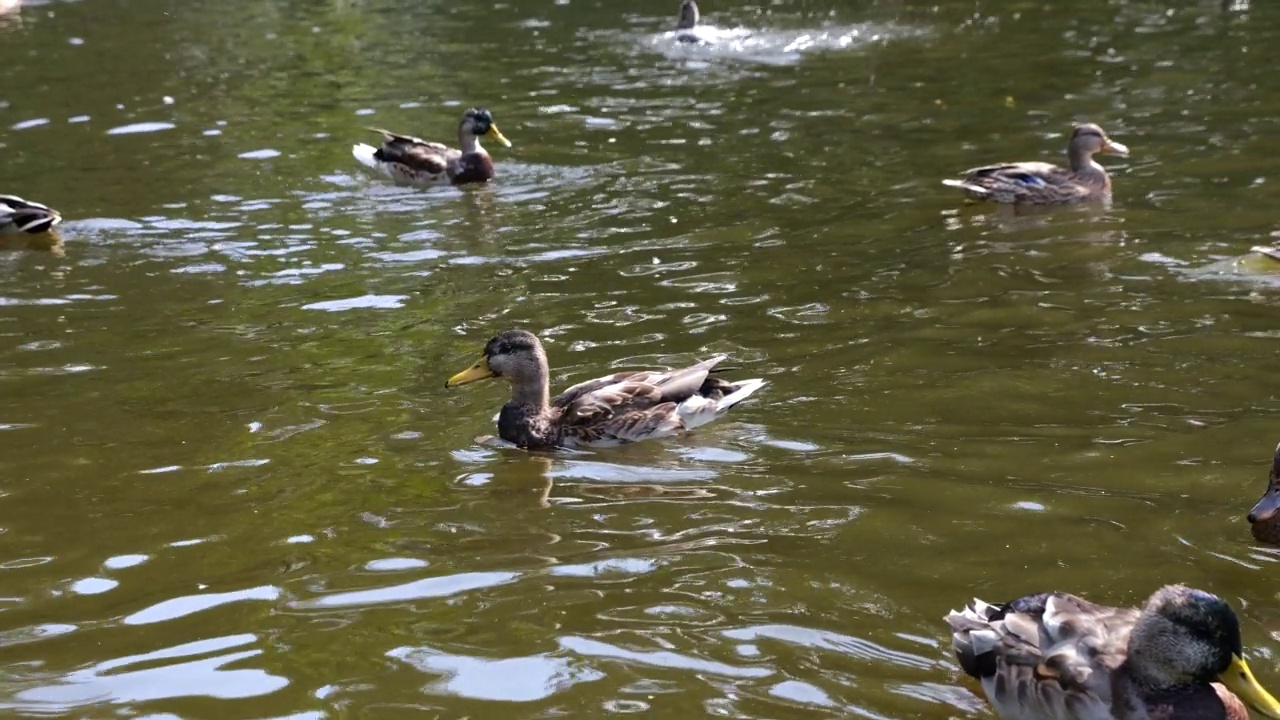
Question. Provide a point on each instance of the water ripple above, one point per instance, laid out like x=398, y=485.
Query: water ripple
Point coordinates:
x=417, y=590
x=104, y=683
x=521, y=679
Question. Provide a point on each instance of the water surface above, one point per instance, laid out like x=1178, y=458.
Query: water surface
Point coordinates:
x=233, y=485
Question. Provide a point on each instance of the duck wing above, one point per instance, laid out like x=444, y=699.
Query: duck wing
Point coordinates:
x=676, y=385
x=630, y=406
x=1021, y=182
x=416, y=154
x=1049, y=656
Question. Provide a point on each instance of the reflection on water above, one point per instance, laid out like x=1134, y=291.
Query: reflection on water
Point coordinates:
x=111, y=682
x=232, y=483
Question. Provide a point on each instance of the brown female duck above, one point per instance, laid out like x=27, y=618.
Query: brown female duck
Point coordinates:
x=414, y=161
x=23, y=216
x=1264, y=518
x=1056, y=656
x=615, y=409
x=1039, y=183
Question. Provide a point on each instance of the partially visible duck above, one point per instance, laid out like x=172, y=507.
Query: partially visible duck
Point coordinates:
x=1040, y=183
x=1055, y=656
x=688, y=21
x=1264, y=518
x=414, y=161
x=24, y=216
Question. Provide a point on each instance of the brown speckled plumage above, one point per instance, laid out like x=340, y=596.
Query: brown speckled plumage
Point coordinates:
x=1055, y=656
x=1040, y=183
x=619, y=408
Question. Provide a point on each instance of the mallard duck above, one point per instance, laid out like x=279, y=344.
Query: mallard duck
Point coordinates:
x=1264, y=518
x=1055, y=656
x=615, y=409
x=414, y=161
x=23, y=216
x=1039, y=183
x=688, y=21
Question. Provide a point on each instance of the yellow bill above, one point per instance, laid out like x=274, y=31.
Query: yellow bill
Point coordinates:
x=497, y=135
x=479, y=371
x=1239, y=679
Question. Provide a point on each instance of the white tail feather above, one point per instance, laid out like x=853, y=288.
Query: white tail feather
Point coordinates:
x=745, y=388
x=364, y=153
x=699, y=410
x=967, y=187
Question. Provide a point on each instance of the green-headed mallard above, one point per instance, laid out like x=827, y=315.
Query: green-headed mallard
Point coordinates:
x=414, y=161
x=1264, y=518
x=1056, y=656
x=615, y=409
x=1039, y=183
x=23, y=216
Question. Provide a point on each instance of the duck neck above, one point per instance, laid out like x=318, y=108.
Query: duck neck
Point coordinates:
x=469, y=142
x=533, y=391
x=1081, y=160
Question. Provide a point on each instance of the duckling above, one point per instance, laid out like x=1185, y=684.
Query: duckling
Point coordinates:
x=620, y=408
x=1039, y=183
x=23, y=216
x=1055, y=656
x=1264, y=522
x=414, y=161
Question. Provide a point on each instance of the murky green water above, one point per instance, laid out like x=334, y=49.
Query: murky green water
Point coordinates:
x=232, y=484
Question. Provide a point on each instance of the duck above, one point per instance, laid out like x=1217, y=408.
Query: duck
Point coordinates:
x=19, y=216
x=688, y=22
x=1040, y=183
x=1264, y=518
x=413, y=161
x=612, y=410
x=1056, y=656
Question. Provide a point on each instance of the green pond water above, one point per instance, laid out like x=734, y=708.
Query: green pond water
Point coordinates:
x=233, y=485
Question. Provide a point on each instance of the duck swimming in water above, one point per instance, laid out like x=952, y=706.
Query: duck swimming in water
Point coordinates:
x=1041, y=183
x=1055, y=656
x=413, y=161
x=612, y=410
x=688, y=21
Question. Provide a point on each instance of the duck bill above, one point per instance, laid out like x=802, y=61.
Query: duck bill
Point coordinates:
x=497, y=135
x=1267, y=507
x=479, y=371
x=1239, y=679
x=1115, y=148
